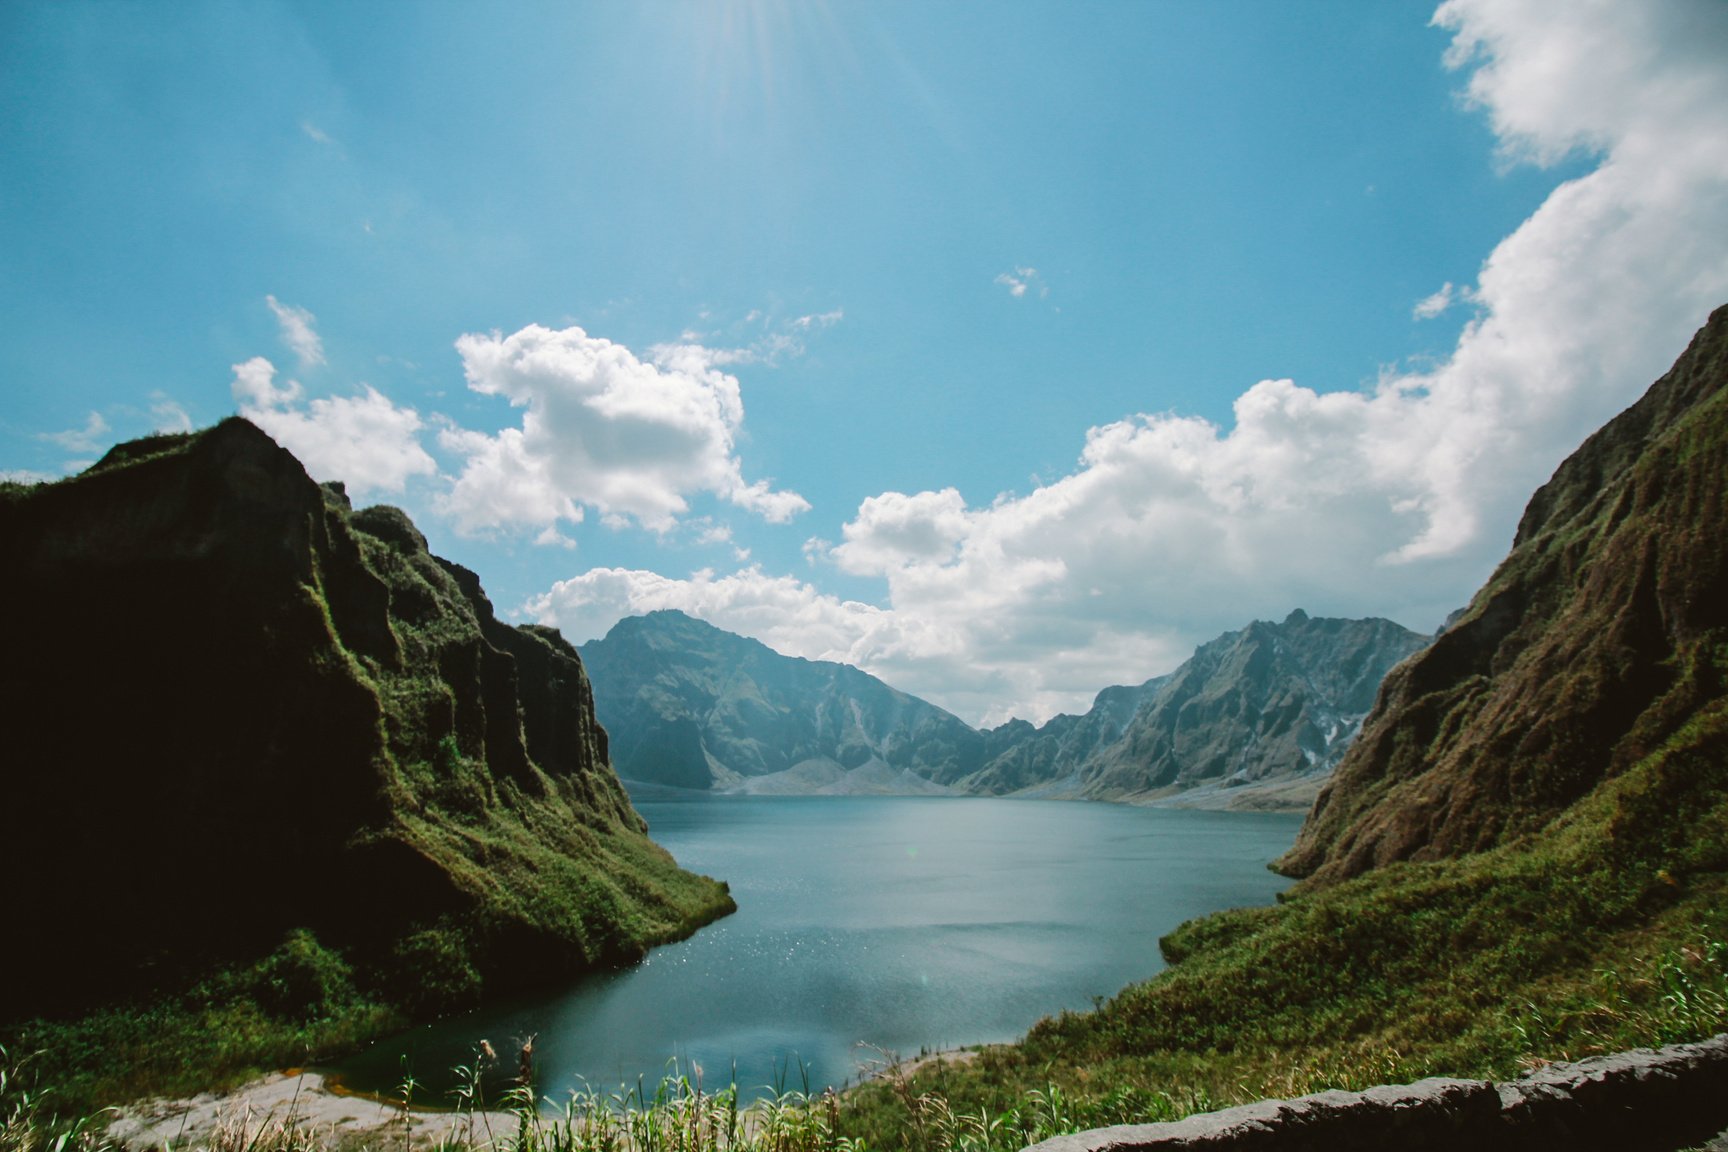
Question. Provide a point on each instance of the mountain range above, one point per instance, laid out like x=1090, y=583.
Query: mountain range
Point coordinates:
x=1255, y=718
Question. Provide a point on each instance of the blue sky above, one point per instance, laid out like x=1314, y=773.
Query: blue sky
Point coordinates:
x=1007, y=351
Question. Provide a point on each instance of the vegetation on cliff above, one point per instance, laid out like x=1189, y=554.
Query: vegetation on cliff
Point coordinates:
x=1523, y=858
x=278, y=775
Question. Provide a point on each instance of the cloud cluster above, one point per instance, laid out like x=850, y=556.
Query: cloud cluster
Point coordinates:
x=602, y=429
x=1393, y=501
x=365, y=441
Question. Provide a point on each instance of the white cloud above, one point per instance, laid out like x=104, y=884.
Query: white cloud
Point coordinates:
x=167, y=415
x=1431, y=306
x=1021, y=280
x=365, y=441
x=26, y=476
x=780, y=340
x=550, y=537
x=90, y=438
x=781, y=611
x=819, y=320
x=1394, y=501
x=297, y=332
x=315, y=133
x=602, y=429
x=893, y=527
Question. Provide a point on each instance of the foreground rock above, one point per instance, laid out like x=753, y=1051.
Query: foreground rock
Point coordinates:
x=1640, y=1101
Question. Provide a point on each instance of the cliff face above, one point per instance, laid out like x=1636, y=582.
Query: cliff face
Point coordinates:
x=1598, y=638
x=692, y=706
x=236, y=706
x=1274, y=702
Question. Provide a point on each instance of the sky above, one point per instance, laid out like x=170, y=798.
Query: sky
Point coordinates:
x=1007, y=351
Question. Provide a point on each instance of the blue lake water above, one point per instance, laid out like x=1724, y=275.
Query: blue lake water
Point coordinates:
x=870, y=924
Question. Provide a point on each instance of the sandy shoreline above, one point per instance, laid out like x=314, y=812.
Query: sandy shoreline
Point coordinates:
x=296, y=1098
x=337, y=1118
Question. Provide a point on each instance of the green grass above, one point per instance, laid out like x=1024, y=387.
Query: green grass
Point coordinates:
x=1604, y=931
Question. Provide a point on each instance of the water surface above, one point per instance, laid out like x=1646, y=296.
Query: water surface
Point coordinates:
x=869, y=924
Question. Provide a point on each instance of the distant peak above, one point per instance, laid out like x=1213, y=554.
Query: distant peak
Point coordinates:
x=1297, y=616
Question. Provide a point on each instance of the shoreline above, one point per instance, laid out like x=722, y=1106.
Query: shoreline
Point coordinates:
x=299, y=1099
x=316, y=1104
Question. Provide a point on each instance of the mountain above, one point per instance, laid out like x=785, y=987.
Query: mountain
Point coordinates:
x=1038, y=761
x=1254, y=718
x=691, y=706
x=236, y=707
x=1596, y=647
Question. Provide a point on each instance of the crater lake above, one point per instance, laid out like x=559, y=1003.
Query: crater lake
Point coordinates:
x=865, y=926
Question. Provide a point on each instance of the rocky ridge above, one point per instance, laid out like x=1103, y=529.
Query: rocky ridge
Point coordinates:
x=691, y=706
x=1256, y=716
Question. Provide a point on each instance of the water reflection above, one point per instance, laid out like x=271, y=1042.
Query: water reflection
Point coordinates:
x=894, y=923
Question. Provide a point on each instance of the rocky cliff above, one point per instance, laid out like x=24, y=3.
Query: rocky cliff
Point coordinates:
x=692, y=706
x=1597, y=645
x=1265, y=712
x=235, y=706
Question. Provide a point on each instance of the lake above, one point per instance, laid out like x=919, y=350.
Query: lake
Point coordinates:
x=868, y=925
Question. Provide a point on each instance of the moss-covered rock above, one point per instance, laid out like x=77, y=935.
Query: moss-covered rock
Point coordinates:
x=235, y=707
x=1596, y=640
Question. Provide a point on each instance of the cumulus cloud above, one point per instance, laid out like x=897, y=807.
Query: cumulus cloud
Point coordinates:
x=1395, y=500
x=632, y=439
x=365, y=441
x=297, y=332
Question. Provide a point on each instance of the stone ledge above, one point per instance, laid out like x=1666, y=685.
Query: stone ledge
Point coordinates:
x=1655, y=1100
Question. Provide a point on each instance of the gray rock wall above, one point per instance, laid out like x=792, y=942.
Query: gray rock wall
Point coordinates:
x=1675, y=1097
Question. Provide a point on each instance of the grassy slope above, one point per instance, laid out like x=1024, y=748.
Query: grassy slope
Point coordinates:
x=1599, y=935
x=1525, y=858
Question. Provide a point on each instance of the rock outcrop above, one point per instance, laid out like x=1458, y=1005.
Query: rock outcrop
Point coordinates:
x=235, y=706
x=1641, y=1101
x=1596, y=640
